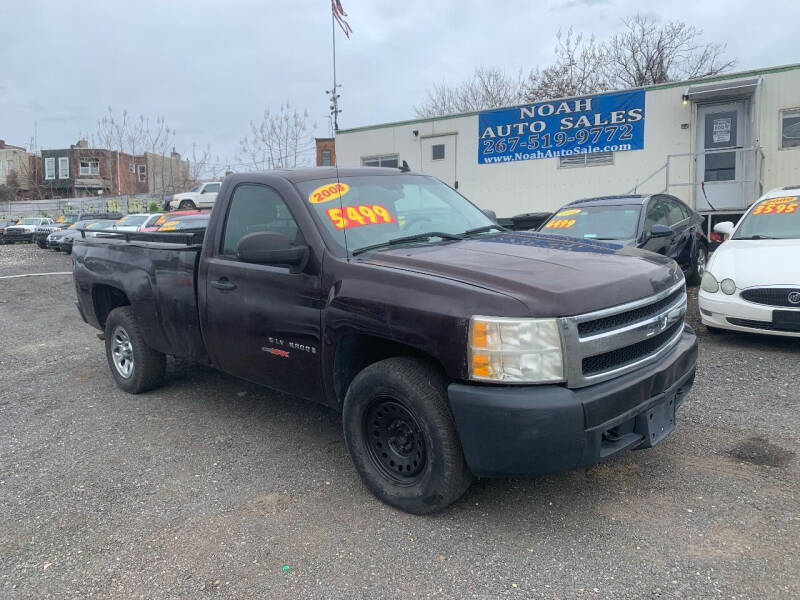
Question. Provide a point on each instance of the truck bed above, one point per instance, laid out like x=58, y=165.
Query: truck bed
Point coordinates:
x=157, y=273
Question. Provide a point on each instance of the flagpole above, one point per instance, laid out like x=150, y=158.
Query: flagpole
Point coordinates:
x=334, y=94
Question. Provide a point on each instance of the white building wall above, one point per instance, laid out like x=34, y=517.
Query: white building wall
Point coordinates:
x=540, y=185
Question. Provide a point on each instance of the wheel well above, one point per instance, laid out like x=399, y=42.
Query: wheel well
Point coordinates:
x=356, y=352
x=106, y=298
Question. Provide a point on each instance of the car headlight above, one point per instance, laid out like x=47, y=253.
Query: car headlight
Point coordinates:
x=708, y=283
x=515, y=350
x=728, y=286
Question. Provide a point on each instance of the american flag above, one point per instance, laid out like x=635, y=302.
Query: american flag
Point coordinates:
x=339, y=15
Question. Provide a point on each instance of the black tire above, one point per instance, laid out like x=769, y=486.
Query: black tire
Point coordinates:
x=397, y=409
x=698, y=265
x=187, y=205
x=714, y=330
x=147, y=367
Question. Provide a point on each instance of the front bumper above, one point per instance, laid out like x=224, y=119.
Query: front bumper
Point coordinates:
x=17, y=236
x=529, y=430
x=716, y=310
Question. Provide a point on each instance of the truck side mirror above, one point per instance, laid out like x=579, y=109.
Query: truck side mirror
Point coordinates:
x=659, y=230
x=725, y=228
x=270, y=248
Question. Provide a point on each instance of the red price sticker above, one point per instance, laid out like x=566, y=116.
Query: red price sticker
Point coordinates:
x=327, y=192
x=356, y=216
x=777, y=206
x=560, y=224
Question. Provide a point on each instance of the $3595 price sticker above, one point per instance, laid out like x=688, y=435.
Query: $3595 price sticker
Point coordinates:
x=777, y=206
x=355, y=216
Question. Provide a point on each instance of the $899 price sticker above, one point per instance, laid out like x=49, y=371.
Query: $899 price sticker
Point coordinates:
x=355, y=216
x=560, y=224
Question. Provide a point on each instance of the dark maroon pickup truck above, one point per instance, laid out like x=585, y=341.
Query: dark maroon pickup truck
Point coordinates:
x=452, y=347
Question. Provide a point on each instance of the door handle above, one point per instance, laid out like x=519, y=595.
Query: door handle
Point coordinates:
x=223, y=284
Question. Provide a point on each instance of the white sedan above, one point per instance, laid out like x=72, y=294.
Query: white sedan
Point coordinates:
x=752, y=282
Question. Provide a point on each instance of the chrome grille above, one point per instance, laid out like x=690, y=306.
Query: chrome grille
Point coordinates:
x=772, y=296
x=608, y=343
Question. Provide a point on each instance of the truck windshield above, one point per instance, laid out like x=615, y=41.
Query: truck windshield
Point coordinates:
x=610, y=222
x=775, y=218
x=356, y=212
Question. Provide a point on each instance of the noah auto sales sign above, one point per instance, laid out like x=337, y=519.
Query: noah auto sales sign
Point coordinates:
x=602, y=123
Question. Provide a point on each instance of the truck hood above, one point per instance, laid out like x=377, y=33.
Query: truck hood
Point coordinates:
x=552, y=275
x=757, y=262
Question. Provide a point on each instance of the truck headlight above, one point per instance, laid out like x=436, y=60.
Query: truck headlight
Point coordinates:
x=708, y=283
x=510, y=350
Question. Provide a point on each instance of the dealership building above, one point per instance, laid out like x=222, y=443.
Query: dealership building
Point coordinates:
x=717, y=143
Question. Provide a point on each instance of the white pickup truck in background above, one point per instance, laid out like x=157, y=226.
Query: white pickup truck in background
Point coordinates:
x=201, y=196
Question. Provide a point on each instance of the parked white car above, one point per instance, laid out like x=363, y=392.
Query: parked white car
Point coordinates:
x=136, y=222
x=752, y=282
x=200, y=196
x=24, y=230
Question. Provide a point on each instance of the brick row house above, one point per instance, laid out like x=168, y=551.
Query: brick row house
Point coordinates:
x=83, y=171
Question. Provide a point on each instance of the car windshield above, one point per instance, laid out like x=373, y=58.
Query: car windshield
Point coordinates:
x=607, y=222
x=190, y=222
x=101, y=224
x=357, y=212
x=777, y=218
x=132, y=220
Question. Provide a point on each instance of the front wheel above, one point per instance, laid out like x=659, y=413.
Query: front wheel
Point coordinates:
x=402, y=438
x=187, y=205
x=698, y=265
x=135, y=366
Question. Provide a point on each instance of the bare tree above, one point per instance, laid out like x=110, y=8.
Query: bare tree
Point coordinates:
x=577, y=69
x=488, y=87
x=648, y=52
x=123, y=133
x=643, y=53
x=279, y=141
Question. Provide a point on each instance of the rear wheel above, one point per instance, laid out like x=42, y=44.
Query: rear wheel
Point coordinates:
x=402, y=437
x=135, y=366
x=698, y=265
x=187, y=205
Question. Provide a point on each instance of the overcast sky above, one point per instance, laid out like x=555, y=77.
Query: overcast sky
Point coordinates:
x=211, y=67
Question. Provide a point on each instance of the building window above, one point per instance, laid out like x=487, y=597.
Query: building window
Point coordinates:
x=591, y=159
x=132, y=168
x=790, y=128
x=386, y=160
x=63, y=167
x=437, y=152
x=90, y=166
x=142, y=170
x=326, y=158
x=50, y=168
x=10, y=166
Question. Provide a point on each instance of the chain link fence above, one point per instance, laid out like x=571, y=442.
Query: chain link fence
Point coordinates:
x=140, y=203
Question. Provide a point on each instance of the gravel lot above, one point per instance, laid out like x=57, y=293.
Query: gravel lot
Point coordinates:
x=215, y=488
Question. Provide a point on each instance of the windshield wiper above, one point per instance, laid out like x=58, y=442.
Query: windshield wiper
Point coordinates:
x=483, y=229
x=418, y=237
x=757, y=237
